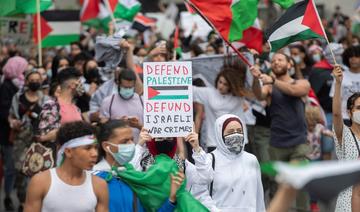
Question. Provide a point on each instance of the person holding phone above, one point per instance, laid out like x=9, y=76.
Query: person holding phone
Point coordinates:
x=126, y=105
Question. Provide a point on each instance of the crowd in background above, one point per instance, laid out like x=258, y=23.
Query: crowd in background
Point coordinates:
x=288, y=117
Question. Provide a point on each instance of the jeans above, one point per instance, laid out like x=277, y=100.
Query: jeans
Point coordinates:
x=9, y=168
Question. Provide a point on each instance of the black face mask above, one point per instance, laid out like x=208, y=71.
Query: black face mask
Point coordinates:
x=34, y=86
x=93, y=75
x=165, y=146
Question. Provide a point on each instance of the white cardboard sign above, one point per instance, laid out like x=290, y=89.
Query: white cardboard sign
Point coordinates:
x=168, y=100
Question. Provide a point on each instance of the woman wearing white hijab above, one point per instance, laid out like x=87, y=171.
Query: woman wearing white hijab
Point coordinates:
x=232, y=174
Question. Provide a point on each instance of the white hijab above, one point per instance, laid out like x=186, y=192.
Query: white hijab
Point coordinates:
x=220, y=145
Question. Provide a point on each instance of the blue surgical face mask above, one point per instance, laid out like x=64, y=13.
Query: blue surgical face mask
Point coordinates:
x=49, y=73
x=124, y=154
x=316, y=57
x=126, y=93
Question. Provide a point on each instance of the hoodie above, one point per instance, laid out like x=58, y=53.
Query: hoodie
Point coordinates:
x=236, y=178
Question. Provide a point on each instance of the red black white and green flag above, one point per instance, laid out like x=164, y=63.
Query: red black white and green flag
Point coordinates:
x=168, y=92
x=230, y=17
x=58, y=27
x=325, y=179
x=96, y=13
x=300, y=22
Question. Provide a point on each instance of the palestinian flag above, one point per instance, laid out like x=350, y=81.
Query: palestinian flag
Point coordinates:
x=189, y=8
x=58, y=27
x=168, y=92
x=300, y=22
x=142, y=22
x=152, y=187
x=177, y=48
x=229, y=17
x=252, y=37
x=16, y=7
x=323, y=179
x=96, y=13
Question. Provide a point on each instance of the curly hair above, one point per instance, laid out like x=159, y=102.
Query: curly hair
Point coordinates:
x=234, y=72
x=353, y=51
x=73, y=130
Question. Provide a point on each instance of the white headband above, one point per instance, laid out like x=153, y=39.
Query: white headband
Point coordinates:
x=76, y=142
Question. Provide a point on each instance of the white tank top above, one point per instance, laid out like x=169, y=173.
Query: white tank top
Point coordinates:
x=62, y=197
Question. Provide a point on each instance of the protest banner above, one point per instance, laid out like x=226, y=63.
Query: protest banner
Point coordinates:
x=168, y=100
x=207, y=68
x=16, y=30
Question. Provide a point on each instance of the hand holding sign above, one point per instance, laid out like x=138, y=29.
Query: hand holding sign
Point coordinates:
x=144, y=137
x=193, y=139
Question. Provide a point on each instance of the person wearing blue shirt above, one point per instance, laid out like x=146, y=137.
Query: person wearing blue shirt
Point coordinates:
x=117, y=148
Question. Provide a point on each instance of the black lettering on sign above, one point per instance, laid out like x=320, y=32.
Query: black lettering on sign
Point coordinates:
x=155, y=130
x=12, y=26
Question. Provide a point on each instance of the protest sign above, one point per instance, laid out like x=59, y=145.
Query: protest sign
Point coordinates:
x=168, y=100
x=16, y=30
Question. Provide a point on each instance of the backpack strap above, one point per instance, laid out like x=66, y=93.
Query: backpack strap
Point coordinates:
x=135, y=209
x=111, y=103
x=141, y=101
x=357, y=145
x=213, y=166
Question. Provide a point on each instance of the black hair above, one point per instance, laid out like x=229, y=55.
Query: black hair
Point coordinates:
x=106, y=131
x=74, y=130
x=78, y=44
x=29, y=73
x=92, y=75
x=351, y=100
x=127, y=74
x=196, y=49
x=55, y=65
x=67, y=74
x=53, y=87
x=353, y=51
x=81, y=57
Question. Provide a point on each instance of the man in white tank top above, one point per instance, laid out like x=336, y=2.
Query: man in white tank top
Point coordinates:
x=69, y=186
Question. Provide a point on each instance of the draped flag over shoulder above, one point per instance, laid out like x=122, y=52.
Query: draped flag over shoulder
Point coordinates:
x=58, y=27
x=153, y=186
x=300, y=22
x=323, y=179
x=16, y=7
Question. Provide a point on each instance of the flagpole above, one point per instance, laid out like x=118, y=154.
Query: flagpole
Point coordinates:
x=111, y=13
x=176, y=35
x=244, y=59
x=323, y=29
x=39, y=33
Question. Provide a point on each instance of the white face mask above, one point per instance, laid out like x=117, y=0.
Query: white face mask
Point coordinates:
x=316, y=57
x=297, y=59
x=356, y=117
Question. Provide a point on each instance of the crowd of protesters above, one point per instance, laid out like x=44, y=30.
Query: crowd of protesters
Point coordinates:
x=294, y=105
